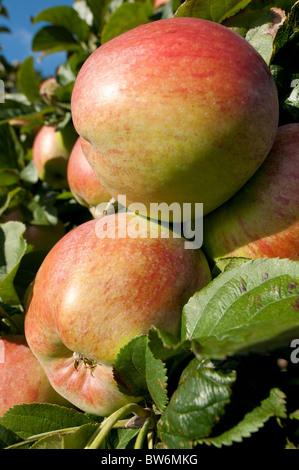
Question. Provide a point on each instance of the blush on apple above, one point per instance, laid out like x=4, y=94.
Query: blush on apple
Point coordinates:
x=50, y=153
x=178, y=110
x=99, y=287
x=262, y=219
x=22, y=378
x=82, y=181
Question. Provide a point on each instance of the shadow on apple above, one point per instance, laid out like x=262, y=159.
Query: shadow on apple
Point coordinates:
x=262, y=219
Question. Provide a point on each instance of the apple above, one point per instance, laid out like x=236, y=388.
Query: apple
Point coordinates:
x=42, y=237
x=177, y=110
x=262, y=219
x=83, y=183
x=47, y=89
x=100, y=286
x=22, y=378
x=50, y=153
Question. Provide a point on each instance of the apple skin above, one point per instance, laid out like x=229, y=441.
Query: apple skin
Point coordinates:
x=50, y=153
x=92, y=295
x=22, y=379
x=178, y=110
x=261, y=220
x=42, y=237
x=82, y=181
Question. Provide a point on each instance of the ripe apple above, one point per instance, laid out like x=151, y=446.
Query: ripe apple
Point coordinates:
x=50, y=152
x=82, y=181
x=100, y=286
x=22, y=379
x=177, y=110
x=47, y=89
x=262, y=219
x=42, y=237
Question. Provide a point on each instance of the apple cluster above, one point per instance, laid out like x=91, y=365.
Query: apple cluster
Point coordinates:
x=180, y=110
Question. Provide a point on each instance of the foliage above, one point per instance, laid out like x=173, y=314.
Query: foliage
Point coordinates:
x=229, y=376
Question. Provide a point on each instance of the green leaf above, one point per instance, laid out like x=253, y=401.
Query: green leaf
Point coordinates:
x=213, y=10
x=71, y=440
x=29, y=173
x=65, y=74
x=66, y=17
x=125, y=436
x=284, y=60
x=196, y=405
x=287, y=32
x=273, y=406
x=54, y=441
x=8, y=177
x=75, y=62
x=125, y=18
x=252, y=306
x=294, y=415
x=99, y=9
x=7, y=437
x=164, y=346
x=12, y=249
x=156, y=380
x=28, y=80
x=17, y=106
x=64, y=93
x=261, y=41
x=34, y=419
x=42, y=214
x=292, y=103
x=225, y=264
x=129, y=368
x=52, y=39
x=11, y=196
x=139, y=373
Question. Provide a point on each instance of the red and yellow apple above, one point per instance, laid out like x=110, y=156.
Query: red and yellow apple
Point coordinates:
x=82, y=181
x=22, y=378
x=178, y=110
x=262, y=219
x=50, y=152
x=47, y=89
x=101, y=285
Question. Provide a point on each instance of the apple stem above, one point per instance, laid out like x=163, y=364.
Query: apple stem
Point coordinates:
x=150, y=439
x=100, y=434
x=142, y=433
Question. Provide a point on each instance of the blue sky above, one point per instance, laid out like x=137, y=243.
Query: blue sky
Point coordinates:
x=17, y=44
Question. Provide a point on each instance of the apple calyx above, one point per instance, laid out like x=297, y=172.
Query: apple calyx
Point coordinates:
x=81, y=359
